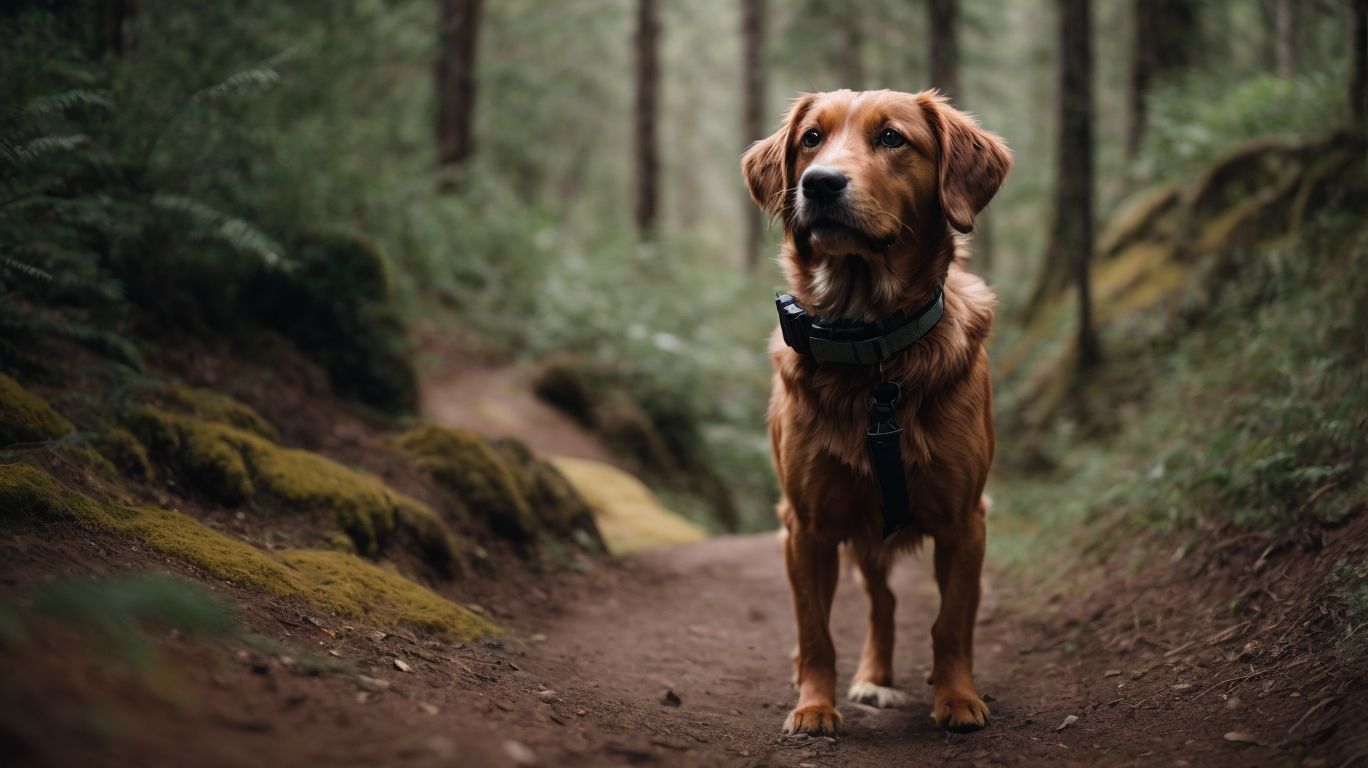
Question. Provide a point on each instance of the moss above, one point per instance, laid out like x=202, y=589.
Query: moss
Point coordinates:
x=25, y=417
x=233, y=466
x=551, y=496
x=477, y=474
x=337, y=581
x=628, y=514
x=209, y=455
x=356, y=588
x=126, y=453
x=217, y=407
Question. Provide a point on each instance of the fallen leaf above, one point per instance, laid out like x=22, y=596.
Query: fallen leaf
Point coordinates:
x=431, y=709
x=1241, y=737
x=372, y=684
x=1112, y=673
x=1068, y=721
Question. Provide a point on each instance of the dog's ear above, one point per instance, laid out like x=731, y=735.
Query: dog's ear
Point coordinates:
x=973, y=163
x=767, y=162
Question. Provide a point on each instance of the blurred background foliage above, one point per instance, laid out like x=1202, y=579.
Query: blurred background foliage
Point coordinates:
x=216, y=169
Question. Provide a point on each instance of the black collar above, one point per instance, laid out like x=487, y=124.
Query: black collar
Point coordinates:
x=863, y=343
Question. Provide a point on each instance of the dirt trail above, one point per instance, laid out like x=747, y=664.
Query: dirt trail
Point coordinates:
x=712, y=622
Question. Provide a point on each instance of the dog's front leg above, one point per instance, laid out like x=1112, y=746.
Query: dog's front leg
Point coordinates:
x=812, y=572
x=959, y=561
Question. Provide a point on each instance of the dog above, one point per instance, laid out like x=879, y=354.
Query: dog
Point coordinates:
x=875, y=191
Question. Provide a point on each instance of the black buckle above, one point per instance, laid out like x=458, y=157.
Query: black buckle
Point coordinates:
x=793, y=322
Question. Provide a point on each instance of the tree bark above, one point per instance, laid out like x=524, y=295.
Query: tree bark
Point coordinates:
x=1358, y=77
x=944, y=25
x=850, y=50
x=112, y=33
x=753, y=113
x=1285, y=36
x=647, y=102
x=1071, y=234
x=1164, y=43
x=458, y=39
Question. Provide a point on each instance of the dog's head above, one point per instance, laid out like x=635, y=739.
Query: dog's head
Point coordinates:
x=874, y=180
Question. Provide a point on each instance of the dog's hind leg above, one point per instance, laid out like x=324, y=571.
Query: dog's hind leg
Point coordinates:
x=873, y=680
x=813, y=570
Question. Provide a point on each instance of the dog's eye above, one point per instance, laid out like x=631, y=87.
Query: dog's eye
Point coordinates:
x=891, y=138
x=812, y=138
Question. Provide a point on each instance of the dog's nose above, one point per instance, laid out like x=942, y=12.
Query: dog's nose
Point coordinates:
x=821, y=183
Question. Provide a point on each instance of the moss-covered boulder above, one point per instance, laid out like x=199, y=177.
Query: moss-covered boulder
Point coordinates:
x=553, y=499
x=25, y=417
x=126, y=453
x=334, y=303
x=220, y=408
x=472, y=470
x=335, y=581
x=232, y=466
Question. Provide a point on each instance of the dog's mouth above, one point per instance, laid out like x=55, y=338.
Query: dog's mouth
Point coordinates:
x=836, y=234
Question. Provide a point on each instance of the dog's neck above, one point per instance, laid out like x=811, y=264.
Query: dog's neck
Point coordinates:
x=860, y=289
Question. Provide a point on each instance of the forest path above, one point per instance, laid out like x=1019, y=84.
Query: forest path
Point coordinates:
x=712, y=622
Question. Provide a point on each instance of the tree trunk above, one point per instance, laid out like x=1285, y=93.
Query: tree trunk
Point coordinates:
x=753, y=113
x=112, y=34
x=1071, y=235
x=1164, y=43
x=1285, y=36
x=458, y=38
x=850, y=50
x=944, y=22
x=1358, y=77
x=647, y=99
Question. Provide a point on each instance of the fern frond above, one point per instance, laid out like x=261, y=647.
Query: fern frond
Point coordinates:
x=23, y=268
x=59, y=103
x=229, y=230
x=259, y=77
x=45, y=145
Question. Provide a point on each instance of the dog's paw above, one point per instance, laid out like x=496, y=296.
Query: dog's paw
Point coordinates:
x=814, y=720
x=960, y=713
x=879, y=696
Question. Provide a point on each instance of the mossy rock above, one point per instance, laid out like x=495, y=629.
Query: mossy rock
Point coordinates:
x=25, y=417
x=334, y=305
x=218, y=407
x=564, y=384
x=553, y=499
x=335, y=581
x=472, y=470
x=126, y=453
x=232, y=466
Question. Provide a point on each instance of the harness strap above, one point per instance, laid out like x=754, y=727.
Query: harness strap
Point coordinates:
x=884, y=438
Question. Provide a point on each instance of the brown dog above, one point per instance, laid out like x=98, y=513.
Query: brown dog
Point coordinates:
x=871, y=188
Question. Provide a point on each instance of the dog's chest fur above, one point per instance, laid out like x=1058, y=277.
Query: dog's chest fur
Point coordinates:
x=819, y=413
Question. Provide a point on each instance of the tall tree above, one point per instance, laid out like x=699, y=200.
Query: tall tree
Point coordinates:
x=1358, y=78
x=458, y=38
x=944, y=25
x=753, y=113
x=1285, y=36
x=647, y=109
x=850, y=49
x=1165, y=42
x=1071, y=233
x=112, y=33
